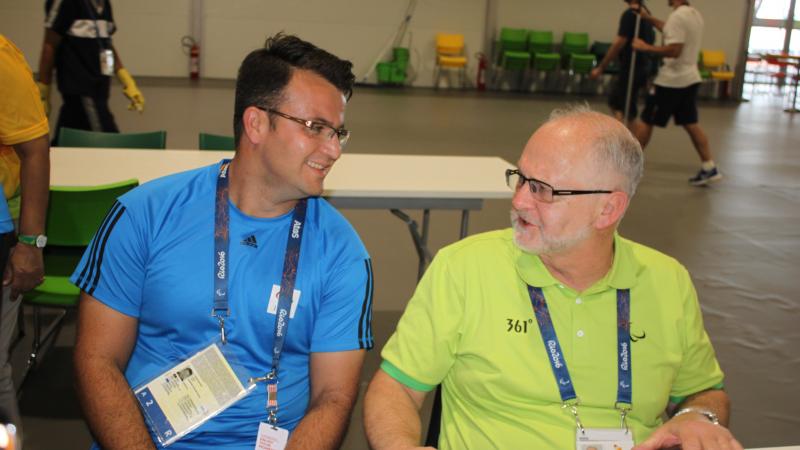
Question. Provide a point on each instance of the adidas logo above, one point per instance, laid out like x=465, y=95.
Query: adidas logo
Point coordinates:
x=251, y=241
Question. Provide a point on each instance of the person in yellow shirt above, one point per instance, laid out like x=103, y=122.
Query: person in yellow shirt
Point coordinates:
x=77, y=44
x=25, y=176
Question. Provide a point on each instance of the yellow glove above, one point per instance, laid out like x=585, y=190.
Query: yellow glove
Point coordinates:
x=44, y=95
x=130, y=90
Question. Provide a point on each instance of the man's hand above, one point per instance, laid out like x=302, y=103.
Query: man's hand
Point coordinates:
x=640, y=45
x=130, y=90
x=596, y=73
x=25, y=269
x=692, y=431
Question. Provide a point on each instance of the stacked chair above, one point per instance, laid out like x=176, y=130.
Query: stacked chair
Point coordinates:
x=70, y=137
x=449, y=56
x=576, y=57
x=513, y=56
x=714, y=69
x=74, y=215
x=208, y=141
x=545, y=61
x=599, y=50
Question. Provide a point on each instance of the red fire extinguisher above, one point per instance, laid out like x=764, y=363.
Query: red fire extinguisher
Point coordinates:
x=194, y=62
x=191, y=48
x=480, y=82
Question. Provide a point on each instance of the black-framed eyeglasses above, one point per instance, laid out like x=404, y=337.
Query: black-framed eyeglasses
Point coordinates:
x=541, y=190
x=314, y=127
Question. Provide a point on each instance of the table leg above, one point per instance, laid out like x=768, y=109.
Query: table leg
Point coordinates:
x=420, y=239
x=794, y=109
x=464, y=223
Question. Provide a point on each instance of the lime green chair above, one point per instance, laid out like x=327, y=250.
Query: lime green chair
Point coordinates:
x=543, y=59
x=512, y=54
x=210, y=141
x=576, y=57
x=70, y=137
x=74, y=215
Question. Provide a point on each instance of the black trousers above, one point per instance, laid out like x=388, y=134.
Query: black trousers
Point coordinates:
x=84, y=112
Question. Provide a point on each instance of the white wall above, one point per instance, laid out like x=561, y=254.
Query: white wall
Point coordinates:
x=356, y=29
x=150, y=30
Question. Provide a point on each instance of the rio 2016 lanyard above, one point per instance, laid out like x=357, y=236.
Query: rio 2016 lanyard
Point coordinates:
x=221, y=309
x=559, y=365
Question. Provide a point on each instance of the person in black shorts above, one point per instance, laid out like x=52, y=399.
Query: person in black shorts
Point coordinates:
x=621, y=49
x=77, y=43
x=675, y=87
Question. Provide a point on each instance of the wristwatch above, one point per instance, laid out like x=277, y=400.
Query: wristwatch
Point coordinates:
x=704, y=412
x=38, y=241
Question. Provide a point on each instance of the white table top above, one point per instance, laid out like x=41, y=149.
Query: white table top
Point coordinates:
x=354, y=175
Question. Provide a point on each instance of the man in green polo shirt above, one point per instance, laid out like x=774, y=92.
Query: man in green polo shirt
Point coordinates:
x=557, y=333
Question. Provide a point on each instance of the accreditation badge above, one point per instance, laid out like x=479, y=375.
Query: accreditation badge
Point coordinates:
x=107, y=62
x=185, y=396
x=603, y=439
x=271, y=437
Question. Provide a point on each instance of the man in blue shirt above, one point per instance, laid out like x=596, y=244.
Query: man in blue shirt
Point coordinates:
x=205, y=256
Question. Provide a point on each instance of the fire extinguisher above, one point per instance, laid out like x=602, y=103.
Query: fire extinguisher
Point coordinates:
x=190, y=45
x=480, y=82
x=194, y=62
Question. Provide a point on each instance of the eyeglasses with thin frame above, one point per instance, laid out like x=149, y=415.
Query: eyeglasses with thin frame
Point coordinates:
x=314, y=127
x=541, y=190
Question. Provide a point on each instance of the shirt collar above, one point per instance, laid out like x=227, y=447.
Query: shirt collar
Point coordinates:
x=623, y=273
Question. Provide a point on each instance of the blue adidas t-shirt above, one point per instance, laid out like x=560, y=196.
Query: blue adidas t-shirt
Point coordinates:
x=6, y=224
x=153, y=259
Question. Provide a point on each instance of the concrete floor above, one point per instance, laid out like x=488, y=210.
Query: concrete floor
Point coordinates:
x=740, y=238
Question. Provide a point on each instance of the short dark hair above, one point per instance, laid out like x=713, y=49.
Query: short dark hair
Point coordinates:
x=265, y=72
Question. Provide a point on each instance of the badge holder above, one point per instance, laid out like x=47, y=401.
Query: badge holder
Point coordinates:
x=107, y=62
x=190, y=393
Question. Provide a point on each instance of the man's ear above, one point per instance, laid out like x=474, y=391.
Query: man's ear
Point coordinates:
x=255, y=124
x=612, y=209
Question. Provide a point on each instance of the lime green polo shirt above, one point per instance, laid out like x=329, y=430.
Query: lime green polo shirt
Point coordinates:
x=470, y=326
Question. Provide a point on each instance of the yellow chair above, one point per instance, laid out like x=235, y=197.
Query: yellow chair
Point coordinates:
x=714, y=62
x=450, y=55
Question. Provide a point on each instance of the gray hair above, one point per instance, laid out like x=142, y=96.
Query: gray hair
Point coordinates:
x=615, y=148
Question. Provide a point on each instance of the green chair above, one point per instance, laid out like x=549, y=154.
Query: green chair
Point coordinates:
x=73, y=217
x=576, y=57
x=599, y=50
x=512, y=54
x=70, y=137
x=210, y=141
x=544, y=60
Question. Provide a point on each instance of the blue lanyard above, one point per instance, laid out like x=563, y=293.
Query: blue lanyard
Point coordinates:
x=221, y=310
x=559, y=364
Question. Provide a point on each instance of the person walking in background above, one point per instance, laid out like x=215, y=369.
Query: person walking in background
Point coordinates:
x=621, y=49
x=677, y=83
x=77, y=44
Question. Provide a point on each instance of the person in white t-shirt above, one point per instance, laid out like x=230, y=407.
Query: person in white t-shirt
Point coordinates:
x=677, y=83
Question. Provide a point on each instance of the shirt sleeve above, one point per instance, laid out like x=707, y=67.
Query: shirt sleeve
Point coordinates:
x=112, y=269
x=423, y=348
x=60, y=15
x=22, y=115
x=699, y=369
x=627, y=25
x=344, y=319
x=674, y=31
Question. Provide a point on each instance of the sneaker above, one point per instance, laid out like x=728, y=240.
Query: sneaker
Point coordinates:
x=704, y=177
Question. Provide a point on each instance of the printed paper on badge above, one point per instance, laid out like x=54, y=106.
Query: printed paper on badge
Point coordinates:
x=604, y=439
x=188, y=394
x=271, y=438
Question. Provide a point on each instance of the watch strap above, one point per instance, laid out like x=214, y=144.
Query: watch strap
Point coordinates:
x=711, y=416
